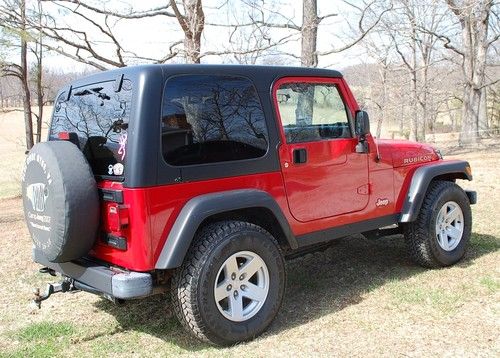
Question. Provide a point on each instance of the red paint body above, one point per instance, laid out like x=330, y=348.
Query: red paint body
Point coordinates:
x=336, y=186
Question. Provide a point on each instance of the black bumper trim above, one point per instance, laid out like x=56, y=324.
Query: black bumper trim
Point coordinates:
x=115, y=196
x=472, y=195
x=123, y=285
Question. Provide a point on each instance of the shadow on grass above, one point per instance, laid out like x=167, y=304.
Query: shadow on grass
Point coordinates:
x=317, y=284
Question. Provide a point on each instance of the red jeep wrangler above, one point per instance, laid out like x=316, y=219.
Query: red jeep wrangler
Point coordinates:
x=201, y=179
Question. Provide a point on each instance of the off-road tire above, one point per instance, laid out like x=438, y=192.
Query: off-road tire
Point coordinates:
x=193, y=283
x=420, y=236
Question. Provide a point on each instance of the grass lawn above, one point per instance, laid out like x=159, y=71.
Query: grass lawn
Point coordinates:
x=358, y=298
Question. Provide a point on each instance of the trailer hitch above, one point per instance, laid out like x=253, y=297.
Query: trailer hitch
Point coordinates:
x=63, y=286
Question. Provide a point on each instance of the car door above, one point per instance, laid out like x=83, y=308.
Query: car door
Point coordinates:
x=323, y=174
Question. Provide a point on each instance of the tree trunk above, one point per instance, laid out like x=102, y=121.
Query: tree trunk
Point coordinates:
x=28, y=119
x=451, y=116
x=414, y=107
x=383, y=114
x=469, y=133
x=423, y=102
x=40, y=96
x=39, y=79
x=402, y=116
x=483, y=125
x=309, y=33
x=414, y=134
x=474, y=21
x=192, y=24
x=192, y=46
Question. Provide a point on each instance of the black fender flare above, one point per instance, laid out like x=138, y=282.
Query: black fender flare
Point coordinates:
x=199, y=208
x=421, y=180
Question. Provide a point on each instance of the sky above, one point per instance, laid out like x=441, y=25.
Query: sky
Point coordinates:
x=152, y=36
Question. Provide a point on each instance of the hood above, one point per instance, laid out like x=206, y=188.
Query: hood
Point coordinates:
x=404, y=152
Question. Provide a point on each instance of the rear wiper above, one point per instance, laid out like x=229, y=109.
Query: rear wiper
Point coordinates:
x=82, y=93
x=95, y=91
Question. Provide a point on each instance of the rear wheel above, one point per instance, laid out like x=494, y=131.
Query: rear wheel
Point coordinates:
x=440, y=235
x=231, y=283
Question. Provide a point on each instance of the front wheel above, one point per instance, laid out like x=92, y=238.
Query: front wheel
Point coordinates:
x=440, y=235
x=231, y=284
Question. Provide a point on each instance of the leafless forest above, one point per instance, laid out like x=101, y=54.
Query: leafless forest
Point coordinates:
x=423, y=67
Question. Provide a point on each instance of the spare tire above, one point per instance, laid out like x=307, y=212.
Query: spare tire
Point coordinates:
x=61, y=202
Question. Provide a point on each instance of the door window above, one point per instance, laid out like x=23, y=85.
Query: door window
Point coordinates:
x=312, y=112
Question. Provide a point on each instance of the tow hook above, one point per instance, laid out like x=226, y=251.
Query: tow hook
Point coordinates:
x=62, y=286
x=47, y=270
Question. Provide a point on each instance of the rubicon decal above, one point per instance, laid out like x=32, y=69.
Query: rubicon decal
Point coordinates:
x=422, y=158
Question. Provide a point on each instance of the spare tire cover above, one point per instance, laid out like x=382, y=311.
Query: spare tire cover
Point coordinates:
x=61, y=202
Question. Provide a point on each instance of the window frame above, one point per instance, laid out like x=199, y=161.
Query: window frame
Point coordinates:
x=227, y=162
x=343, y=93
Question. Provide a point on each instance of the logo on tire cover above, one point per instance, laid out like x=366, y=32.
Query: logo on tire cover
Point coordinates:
x=37, y=194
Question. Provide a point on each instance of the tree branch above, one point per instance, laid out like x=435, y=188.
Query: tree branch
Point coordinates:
x=158, y=11
x=363, y=32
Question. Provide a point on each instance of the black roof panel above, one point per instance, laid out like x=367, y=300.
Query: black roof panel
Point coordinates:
x=255, y=72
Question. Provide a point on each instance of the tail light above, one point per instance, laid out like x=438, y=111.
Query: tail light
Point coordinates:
x=115, y=226
x=70, y=137
x=117, y=217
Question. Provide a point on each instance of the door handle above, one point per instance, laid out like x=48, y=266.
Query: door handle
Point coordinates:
x=299, y=155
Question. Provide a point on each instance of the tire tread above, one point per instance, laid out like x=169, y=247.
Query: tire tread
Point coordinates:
x=417, y=233
x=185, y=281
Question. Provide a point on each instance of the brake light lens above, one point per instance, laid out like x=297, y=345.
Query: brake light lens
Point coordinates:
x=63, y=135
x=117, y=217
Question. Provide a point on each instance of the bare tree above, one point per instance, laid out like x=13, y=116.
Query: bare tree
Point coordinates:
x=474, y=18
x=80, y=45
x=250, y=40
x=19, y=26
x=379, y=92
x=192, y=23
x=38, y=52
x=368, y=14
x=308, y=29
x=309, y=33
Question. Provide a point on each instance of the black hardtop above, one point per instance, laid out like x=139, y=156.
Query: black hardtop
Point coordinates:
x=143, y=165
x=254, y=72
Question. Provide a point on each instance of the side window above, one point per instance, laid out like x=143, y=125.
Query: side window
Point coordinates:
x=312, y=111
x=209, y=118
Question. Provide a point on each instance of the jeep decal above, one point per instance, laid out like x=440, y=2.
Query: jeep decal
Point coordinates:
x=382, y=202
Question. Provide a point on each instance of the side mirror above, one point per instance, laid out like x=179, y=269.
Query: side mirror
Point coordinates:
x=362, y=124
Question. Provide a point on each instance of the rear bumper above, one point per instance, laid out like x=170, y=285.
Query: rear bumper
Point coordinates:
x=101, y=279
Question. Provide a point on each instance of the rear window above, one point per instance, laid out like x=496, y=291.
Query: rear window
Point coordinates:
x=211, y=118
x=98, y=116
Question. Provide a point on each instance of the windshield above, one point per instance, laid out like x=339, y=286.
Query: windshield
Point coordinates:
x=98, y=115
